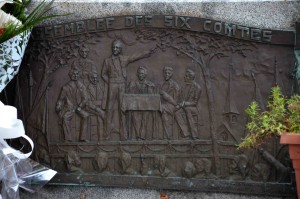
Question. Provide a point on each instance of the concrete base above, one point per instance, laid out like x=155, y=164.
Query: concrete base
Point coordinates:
x=72, y=192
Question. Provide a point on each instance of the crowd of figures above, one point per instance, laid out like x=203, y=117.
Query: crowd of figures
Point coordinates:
x=239, y=168
x=200, y=168
x=144, y=110
x=84, y=96
x=100, y=163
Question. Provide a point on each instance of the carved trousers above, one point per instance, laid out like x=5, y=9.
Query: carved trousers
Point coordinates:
x=67, y=124
x=167, y=116
x=185, y=121
x=115, y=117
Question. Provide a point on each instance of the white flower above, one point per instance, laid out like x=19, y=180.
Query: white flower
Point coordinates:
x=7, y=18
x=6, y=75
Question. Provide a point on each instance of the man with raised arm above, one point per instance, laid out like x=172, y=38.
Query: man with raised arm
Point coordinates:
x=114, y=74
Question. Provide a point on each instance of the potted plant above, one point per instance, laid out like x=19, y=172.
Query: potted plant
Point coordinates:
x=15, y=26
x=281, y=119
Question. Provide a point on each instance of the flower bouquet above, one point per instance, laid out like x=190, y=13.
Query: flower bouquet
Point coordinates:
x=15, y=169
x=15, y=26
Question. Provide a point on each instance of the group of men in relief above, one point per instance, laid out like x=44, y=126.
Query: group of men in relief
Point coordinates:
x=85, y=97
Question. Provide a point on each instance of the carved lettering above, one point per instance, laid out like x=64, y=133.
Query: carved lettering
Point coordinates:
x=70, y=28
x=138, y=20
x=244, y=31
x=58, y=31
x=180, y=22
x=100, y=24
x=171, y=21
x=184, y=21
x=267, y=35
x=48, y=31
x=129, y=21
x=109, y=22
x=218, y=27
x=148, y=20
x=207, y=25
x=80, y=26
x=255, y=34
x=176, y=21
x=168, y=21
x=230, y=29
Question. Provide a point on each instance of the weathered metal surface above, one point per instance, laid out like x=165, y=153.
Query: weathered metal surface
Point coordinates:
x=155, y=101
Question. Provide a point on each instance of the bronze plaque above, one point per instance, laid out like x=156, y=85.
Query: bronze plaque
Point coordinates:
x=155, y=101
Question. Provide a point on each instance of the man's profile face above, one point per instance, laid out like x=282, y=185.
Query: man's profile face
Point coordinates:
x=141, y=74
x=168, y=74
x=84, y=52
x=74, y=75
x=102, y=161
x=117, y=48
x=189, y=169
x=93, y=78
x=189, y=76
x=125, y=162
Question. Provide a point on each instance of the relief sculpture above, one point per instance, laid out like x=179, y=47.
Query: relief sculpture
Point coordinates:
x=169, y=92
x=189, y=98
x=142, y=104
x=100, y=162
x=94, y=105
x=142, y=122
x=114, y=75
x=72, y=99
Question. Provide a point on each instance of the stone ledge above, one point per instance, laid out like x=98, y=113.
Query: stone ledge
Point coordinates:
x=54, y=192
x=263, y=14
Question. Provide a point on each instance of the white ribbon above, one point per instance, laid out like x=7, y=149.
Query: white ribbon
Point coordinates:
x=11, y=127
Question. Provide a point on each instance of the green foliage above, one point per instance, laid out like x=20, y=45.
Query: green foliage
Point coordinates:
x=293, y=121
x=18, y=9
x=283, y=115
x=9, y=32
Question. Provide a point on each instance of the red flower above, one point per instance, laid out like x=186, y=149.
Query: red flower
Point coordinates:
x=1, y=31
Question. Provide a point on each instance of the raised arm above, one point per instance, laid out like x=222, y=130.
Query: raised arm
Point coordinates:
x=141, y=55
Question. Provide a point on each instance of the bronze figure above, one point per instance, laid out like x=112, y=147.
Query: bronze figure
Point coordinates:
x=169, y=92
x=102, y=107
x=114, y=75
x=142, y=121
x=189, y=98
x=72, y=99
